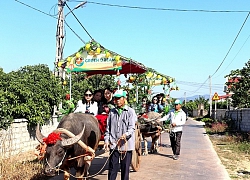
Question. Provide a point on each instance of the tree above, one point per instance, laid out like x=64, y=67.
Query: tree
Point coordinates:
x=81, y=82
x=202, y=100
x=5, y=105
x=193, y=105
x=30, y=93
x=240, y=86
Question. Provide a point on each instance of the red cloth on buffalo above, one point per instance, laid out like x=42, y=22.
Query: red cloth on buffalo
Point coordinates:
x=102, y=119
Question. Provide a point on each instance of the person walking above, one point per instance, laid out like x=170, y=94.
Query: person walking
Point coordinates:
x=119, y=137
x=177, y=119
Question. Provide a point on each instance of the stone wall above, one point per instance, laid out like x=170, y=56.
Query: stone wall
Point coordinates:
x=241, y=118
x=201, y=112
x=20, y=137
x=220, y=114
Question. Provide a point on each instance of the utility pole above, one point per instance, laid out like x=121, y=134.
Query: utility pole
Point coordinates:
x=210, y=100
x=59, y=71
x=59, y=39
x=60, y=35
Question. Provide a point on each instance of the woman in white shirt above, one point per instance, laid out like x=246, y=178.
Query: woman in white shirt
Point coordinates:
x=87, y=104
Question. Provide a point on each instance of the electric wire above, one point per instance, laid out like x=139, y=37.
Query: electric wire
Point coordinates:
x=74, y=32
x=35, y=9
x=135, y=7
x=79, y=22
x=206, y=87
x=234, y=57
x=193, y=83
x=163, y=9
x=231, y=45
x=54, y=8
x=200, y=86
x=52, y=17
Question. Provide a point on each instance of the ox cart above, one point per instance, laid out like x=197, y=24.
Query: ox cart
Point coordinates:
x=94, y=59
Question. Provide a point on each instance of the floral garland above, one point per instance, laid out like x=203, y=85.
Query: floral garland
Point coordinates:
x=52, y=138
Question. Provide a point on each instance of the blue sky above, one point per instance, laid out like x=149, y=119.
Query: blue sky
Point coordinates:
x=186, y=45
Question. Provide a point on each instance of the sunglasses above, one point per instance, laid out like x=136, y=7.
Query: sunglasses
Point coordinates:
x=89, y=95
x=117, y=98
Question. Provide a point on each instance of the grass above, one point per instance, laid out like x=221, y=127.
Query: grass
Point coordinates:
x=19, y=167
x=233, y=151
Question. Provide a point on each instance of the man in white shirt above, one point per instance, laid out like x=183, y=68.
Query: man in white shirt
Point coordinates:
x=177, y=119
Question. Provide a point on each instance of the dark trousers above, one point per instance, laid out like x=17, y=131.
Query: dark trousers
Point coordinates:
x=124, y=164
x=176, y=142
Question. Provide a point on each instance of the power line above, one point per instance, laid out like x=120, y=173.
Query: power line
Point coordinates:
x=231, y=45
x=74, y=32
x=193, y=83
x=204, y=86
x=200, y=86
x=234, y=57
x=54, y=8
x=164, y=9
x=35, y=9
x=79, y=22
x=53, y=16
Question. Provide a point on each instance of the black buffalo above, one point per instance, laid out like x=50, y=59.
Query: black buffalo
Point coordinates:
x=79, y=135
x=150, y=126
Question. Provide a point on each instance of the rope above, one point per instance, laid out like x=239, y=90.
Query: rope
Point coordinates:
x=171, y=133
x=90, y=176
x=119, y=147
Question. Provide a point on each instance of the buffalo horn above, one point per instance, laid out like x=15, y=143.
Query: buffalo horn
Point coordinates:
x=72, y=140
x=70, y=134
x=39, y=135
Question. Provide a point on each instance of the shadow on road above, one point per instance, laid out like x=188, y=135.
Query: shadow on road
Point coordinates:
x=98, y=167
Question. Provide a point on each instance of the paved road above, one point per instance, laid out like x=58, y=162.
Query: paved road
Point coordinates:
x=198, y=160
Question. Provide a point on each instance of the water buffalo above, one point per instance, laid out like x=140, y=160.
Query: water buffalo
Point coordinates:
x=77, y=134
x=150, y=126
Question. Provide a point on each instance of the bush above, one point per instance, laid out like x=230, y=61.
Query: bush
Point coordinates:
x=218, y=127
x=208, y=121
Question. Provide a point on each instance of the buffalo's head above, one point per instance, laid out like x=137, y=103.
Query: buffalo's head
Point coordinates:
x=56, y=148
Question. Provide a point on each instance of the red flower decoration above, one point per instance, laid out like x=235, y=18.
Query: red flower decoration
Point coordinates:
x=67, y=97
x=52, y=138
x=145, y=116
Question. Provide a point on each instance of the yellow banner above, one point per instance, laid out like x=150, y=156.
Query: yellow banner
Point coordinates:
x=85, y=62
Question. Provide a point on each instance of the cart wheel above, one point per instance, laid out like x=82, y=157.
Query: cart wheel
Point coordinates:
x=136, y=154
